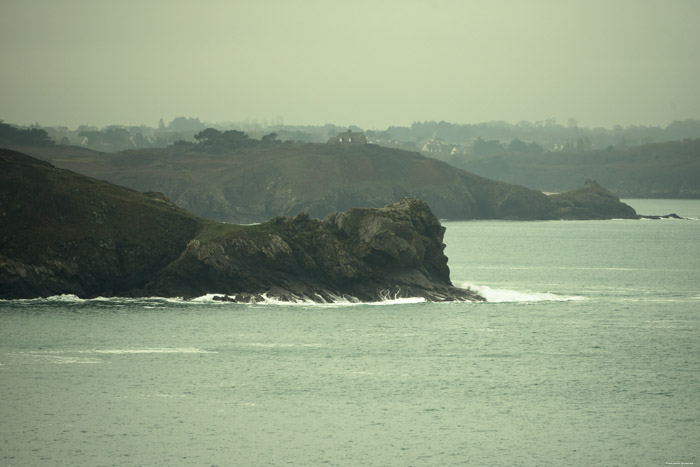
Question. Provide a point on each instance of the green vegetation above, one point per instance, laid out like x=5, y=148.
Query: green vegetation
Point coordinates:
x=636, y=161
x=219, y=231
x=13, y=136
x=448, y=137
x=83, y=235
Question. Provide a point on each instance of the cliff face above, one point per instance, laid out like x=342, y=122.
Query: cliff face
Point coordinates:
x=363, y=254
x=61, y=232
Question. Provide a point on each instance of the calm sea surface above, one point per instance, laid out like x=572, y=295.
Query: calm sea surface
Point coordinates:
x=587, y=354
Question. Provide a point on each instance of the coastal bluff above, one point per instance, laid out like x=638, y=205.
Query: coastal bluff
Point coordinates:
x=65, y=233
x=368, y=254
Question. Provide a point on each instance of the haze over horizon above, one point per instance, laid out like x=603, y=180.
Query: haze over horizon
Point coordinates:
x=367, y=63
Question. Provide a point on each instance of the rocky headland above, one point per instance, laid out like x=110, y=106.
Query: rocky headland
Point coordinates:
x=590, y=202
x=64, y=233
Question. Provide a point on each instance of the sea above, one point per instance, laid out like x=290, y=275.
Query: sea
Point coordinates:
x=587, y=353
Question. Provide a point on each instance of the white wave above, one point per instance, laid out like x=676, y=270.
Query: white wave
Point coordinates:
x=65, y=298
x=157, y=350
x=64, y=359
x=274, y=345
x=68, y=354
x=398, y=301
x=345, y=301
x=336, y=301
x=506, y=296
x=208, y=298
x=214, y=299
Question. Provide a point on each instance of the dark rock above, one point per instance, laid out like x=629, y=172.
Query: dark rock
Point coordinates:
x=63, y=233
x=667, y=216
x=592, y=201
x=364, y=254
x=66, y=233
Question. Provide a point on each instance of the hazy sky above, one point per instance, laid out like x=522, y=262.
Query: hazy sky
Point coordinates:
x=369, y=63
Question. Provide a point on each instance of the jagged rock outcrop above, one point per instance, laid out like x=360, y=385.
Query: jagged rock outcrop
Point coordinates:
x=61, y=232
x=364, y=254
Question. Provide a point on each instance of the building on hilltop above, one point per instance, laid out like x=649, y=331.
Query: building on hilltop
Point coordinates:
x=349, y=137
x=437, y=146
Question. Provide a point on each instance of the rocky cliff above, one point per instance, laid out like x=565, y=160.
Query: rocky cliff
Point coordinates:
x=61, y=232
x=365, y=254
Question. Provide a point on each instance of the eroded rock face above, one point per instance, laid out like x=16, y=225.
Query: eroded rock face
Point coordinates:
x=363, y=254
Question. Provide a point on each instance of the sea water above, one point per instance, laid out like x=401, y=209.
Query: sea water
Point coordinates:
x=587, y=353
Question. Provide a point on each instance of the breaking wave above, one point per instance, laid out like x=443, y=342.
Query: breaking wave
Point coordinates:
x=303, y=301
x=494, y=295
x=209, y=299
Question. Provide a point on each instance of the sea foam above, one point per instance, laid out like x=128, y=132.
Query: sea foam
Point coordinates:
x=493, y=295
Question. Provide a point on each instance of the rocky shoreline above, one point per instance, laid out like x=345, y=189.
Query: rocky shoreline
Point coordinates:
x=65, y=233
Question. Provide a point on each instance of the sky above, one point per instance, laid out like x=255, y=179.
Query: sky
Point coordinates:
x=370, y=63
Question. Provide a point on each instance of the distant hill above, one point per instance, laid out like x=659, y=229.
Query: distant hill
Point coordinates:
x=658, y=170
x=254, y=183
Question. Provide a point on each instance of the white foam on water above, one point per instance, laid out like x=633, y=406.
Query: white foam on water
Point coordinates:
x=183, y=350
x=211, y=299
x=398, y=301
x=65, y=298
x=336, y=301
x=513, y=296
x=274, y=345
x=207, y=298
x=92, y=355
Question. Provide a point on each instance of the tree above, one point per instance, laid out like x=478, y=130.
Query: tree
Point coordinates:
x=186, y=124
x=517, y=146
x=24, y=137
x=230, y=140
x=269, y=139
x=534, y=148
x=487, y=148
x=207, y=138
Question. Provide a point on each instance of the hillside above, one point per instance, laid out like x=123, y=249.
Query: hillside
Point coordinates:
x=252, y=184
x=65, y=233
x=658, y=170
